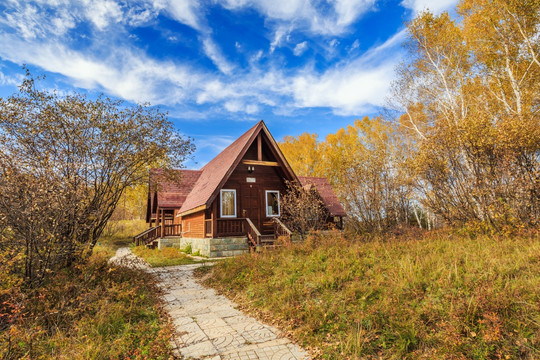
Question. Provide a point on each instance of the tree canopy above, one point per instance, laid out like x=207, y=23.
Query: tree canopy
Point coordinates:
x=463, y=141
x=65, y=161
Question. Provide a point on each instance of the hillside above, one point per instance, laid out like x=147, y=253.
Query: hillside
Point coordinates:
x=443, y=296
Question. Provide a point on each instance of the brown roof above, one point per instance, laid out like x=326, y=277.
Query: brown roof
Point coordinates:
x=198, y=187
x=213, y=173
x=325, y=191
x=172, y=192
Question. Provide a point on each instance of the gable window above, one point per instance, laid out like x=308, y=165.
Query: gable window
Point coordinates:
x=272, y=203
x=228, y=203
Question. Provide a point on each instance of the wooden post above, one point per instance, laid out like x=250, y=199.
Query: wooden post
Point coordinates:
x=259, y=147
x=214, y=218
x=162, y=222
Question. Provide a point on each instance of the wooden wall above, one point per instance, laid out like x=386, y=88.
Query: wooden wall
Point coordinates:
x=193, y=225
x=266, y=178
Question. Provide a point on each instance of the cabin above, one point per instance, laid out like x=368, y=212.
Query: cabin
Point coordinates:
x=232, y=204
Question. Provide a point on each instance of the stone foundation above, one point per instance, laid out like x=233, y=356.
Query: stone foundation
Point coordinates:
x=209, y=247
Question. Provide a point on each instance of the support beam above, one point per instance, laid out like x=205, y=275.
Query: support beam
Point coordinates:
x=162, y=222
x=260, y=163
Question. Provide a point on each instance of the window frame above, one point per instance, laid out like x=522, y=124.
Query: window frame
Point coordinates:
x=221, y=203
x=266, y=203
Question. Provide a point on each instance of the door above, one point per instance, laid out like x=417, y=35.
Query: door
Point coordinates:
x=250, y=204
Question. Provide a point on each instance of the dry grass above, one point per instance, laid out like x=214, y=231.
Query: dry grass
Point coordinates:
x=165, y=257
x=92, y=310
x=442, y=296
x=118, y=234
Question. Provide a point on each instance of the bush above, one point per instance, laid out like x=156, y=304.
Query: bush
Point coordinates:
x=88, y=311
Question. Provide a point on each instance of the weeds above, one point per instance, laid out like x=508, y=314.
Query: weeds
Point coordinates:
x=89, y=311
x=441, y=296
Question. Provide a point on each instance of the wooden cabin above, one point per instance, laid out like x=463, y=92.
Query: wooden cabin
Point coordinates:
x=235, y=198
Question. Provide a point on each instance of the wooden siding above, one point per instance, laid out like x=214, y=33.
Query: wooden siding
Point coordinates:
x=193, y=225
x=266, y=178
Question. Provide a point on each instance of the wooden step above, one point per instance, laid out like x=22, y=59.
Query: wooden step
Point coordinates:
x=265, y=239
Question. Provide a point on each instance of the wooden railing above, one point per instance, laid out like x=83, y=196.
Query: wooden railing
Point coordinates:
x=172, y=230
x=280, y=229
x=147, y=236
x=231, y=227
x=154, y=233
x=253, y=235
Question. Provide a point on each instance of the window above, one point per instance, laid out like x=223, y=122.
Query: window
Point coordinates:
x=228, y=203
x=272, y=203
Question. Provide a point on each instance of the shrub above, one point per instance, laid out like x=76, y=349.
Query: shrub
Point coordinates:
x=88, y=311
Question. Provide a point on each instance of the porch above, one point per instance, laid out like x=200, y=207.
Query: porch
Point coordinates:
x=219, y=229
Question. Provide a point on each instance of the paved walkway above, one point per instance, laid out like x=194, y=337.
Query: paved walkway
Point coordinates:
x=208, y=326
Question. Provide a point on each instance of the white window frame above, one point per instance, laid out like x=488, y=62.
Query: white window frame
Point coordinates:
x=221, y=203
x=278, y=202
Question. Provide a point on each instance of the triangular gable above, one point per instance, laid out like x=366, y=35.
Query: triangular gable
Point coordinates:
x=217, y=172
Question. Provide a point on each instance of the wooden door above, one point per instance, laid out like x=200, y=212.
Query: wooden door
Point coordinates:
x=251, y=204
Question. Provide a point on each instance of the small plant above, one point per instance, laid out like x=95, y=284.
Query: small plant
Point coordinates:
x=188, y=249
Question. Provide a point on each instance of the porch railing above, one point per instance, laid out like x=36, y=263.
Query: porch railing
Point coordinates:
x=172, y=230
x=253, y=235
x=146, y=236
x=280, y=229
x=231, y=227
x=154, y=233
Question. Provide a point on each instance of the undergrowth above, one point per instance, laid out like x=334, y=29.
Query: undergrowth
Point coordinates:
x=119, y=233
x=89, y=311
x=442, y=296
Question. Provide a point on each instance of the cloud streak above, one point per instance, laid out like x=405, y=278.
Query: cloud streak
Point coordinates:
x=123, y=70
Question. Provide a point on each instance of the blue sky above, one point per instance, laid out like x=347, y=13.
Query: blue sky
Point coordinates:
x=216, y=66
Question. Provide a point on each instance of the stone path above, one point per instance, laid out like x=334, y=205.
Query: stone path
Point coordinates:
x=208, y=326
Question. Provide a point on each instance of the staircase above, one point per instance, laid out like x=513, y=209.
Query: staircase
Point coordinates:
x=257, y=240
x=150, y=236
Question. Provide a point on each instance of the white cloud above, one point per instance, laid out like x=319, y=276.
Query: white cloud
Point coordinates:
x=214, y=53
x=300, y=48
x=435, y=6
x=126, y=74
x=184, y=11
x=10, y=80
x=123, y=71
x=327, y=20
x=351, y=87
x=102, y=12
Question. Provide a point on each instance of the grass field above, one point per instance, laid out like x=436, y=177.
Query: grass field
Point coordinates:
x=440, y=297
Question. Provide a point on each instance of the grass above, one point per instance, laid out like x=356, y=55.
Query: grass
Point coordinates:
x=119, y=234
x=89, y=311
x=165, y=257
x=441, y=296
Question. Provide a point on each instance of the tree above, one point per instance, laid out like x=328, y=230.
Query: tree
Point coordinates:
x=65, y=161
x=364, y=165
x=304, y=154
x=471, y=97
x=303, y=210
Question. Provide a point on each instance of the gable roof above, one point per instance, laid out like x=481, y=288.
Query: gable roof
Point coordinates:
x=216, y=172
x=172, y=193
x=324, y=189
